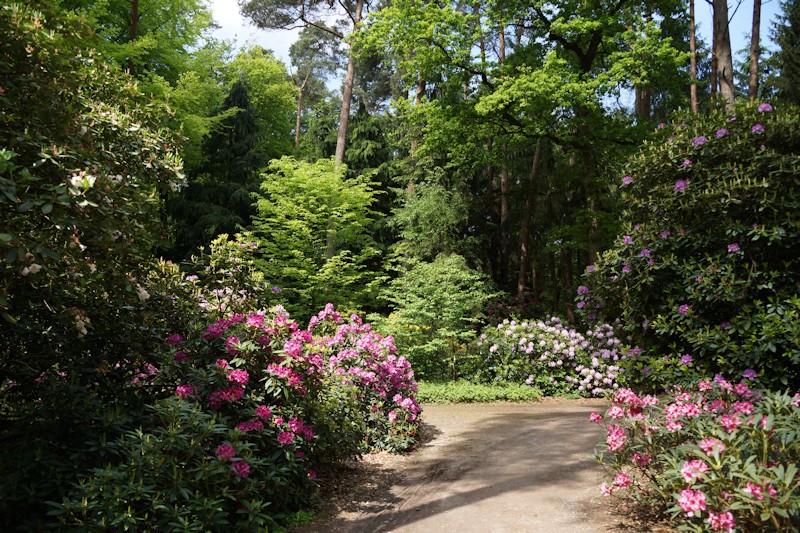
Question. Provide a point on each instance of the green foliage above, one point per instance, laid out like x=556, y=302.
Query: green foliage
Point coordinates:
x=708, y=263
x=82, y=179
x=707, y=453
x=163, y=477
x=466, y=392
x=437, y=307
x=313, y=227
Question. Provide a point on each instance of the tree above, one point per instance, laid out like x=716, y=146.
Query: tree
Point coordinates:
x=722, y=53
x=755, y=51
x=314, y=230
x=146, y=36
x=288, y=14
x=786, y=33
x=315, y=56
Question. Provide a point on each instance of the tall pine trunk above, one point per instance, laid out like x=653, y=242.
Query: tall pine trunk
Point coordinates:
x=133, y=32
x=722, y=49
x=347, y=91
x=755, y=49
x=693, y=60
x=527, y=219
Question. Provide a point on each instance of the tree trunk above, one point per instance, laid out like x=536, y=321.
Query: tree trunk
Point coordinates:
x=494, y=213
x=755, y=49
x=299, y=112
x=527, y=219
x=693, y=60
x=133, y=32
x=722, y=49
x=504, y=212
x=566, y=270
x=347, y=91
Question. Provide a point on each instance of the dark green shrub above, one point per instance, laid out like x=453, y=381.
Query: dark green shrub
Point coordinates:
x=705, y=276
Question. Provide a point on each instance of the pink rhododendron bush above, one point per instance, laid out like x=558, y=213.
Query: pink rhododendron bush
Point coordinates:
x=550, y=355
x=716, y=456
x=254, y=407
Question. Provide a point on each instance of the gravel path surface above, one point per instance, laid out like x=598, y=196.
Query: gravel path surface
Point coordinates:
x=485, y=468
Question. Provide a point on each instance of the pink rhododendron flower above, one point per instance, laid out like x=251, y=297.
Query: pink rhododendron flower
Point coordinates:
x=623, y=480
x=239, y=376
x=692, y=501
x=642, y=459
x=595, y=417
x=222, y=363
x=693, y=470
x=263, y=412
x=174, y=339
x=252, y=425
x=285, y=437
x=184, y=391
x=180, y=356
x=722, y=521
x=293, y=348
x=616, y=437
x=241, y=468
x=730, y=422
x=225, y=452
x=312, y=474
x=709, y=445
x=606, y=490
x=615, y=411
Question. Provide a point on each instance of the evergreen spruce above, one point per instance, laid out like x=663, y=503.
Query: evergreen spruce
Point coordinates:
x=786, y=34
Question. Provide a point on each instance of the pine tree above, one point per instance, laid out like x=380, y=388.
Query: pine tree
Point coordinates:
x=218, y=199
x=786, y=34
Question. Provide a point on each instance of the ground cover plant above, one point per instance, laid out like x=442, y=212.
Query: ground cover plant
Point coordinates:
x=714, y=456
x=463, y=391
x=256, y=407
x=704, y=276
x=549, y=355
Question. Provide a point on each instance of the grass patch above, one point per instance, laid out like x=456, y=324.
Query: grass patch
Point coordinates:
x=466, y=392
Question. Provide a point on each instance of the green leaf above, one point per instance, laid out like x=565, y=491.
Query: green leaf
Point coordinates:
x=47, y=208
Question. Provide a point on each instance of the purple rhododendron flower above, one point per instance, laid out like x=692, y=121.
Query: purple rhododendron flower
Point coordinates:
x=627, y=239
x=683, y=309
x=174, y=339
x=764, y=108
x=733, y=247
x=749, y=373
x=722, y=132
x=681, y=184
x=645, y=252
x=699, y=140
x=687, y=163
x=627, y=180
x=241, y=468
x=665, y=234
x=225, y=452
x=686, y=359
x=758, y=128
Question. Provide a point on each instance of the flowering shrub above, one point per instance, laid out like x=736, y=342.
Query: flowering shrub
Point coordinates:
x=707, y=265
x=256, y=406
x=712, y=457
x=549, y=355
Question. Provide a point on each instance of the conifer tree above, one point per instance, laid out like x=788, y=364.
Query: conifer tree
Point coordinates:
x=786, y=34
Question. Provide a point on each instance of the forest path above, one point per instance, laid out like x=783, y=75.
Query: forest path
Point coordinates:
x=483, y=468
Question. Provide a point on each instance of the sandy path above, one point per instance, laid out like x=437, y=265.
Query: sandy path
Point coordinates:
x=488, y=468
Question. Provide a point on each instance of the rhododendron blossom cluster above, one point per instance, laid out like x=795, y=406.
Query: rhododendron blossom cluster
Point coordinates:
x=717, y=455
x=266, y=375
x=553, y=356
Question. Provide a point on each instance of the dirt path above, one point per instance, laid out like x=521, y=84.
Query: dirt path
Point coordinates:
x=486, y=468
